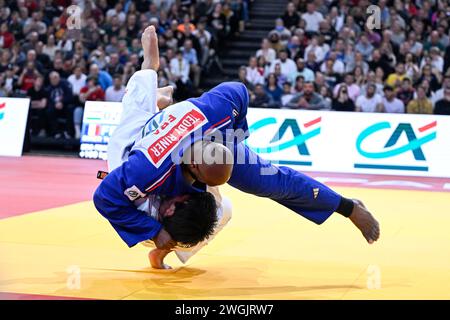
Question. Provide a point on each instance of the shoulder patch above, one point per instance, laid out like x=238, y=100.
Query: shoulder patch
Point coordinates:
x=133, y=193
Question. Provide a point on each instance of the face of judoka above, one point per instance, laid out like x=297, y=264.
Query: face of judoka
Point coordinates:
x=168, y=205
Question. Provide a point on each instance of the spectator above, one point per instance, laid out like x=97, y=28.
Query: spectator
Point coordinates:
x=92, y=91
x=266, y=51
x=395, y=79
x=28, y=77
x=283, y=33
x=352, y=89
x=371, y=101
x=364, y=47
x=77, y=80
x=273, y=90
x=38, y=104
x=312, y=18
x=421, y=104
x=59, y=106
x=179, y=68
x=308, y=99
x=342, y=100
x=287, y=94
x=302, y=70
x=291, y=17
x=254, y=75
x=390, y=103
x=116, y=91
x=103, y=77
x=287, y=65
x=259, y=98
x=190, y=55
x=242, y=77
x=6, y=37
x=406, y=92
x=443, y=105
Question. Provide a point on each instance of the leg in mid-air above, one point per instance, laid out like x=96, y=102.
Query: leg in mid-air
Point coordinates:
x=298, y=192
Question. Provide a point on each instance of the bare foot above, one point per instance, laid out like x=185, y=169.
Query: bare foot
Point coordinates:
x=365, y=222
x=149, y=40
x=164, y=97
x=156, y=258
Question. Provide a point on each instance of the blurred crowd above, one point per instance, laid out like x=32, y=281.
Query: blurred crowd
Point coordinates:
x=61, y=58
x=334, y=55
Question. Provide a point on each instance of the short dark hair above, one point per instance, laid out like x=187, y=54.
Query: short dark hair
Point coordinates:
x=194, y=219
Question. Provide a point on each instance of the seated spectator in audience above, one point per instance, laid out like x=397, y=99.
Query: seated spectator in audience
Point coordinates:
x=302, y=70
x=259, y=98
x=254, y=75
x=77, y=80
x=287, y=65
x=317, y=49
x=179, y=68
x=299, y=83
x=114, y=66
x=38, y=104
x=287, y=94
x=364, y=47
x=391, y=104
x=291, y=18
x=406, y=92
x=308, y=99
x=439, y=94
x=59, y=106
x=273, y=90
x=104, y=78
x=92, y=91
x=312, y=18
x=353, y=90
x=242, y=77
x=432, y=76
x=325, y=92
x=443, y=105
x=28, y=77
x=395, y=79
x=283, y=33
x=342, y=100
x=381, y=60
x=266, y=51
x=263, y=66
x=116, y=91
x=6, y=37
x=370, y=101
x=281, y=77
x=190, y=55
x=421, y=104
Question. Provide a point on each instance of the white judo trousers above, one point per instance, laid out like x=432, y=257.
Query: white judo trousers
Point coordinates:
x=139, y=105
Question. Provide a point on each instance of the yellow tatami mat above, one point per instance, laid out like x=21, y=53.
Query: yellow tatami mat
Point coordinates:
x=266, y=252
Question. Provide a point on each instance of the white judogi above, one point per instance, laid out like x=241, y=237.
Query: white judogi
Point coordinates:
x=139, y=105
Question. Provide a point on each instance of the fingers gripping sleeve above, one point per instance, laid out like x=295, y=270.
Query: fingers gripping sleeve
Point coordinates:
x=139, y=104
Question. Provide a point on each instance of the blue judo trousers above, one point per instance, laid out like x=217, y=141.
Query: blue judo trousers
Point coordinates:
x=292, y=189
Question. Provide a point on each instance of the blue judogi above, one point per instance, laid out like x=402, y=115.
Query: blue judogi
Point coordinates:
x=150, y=168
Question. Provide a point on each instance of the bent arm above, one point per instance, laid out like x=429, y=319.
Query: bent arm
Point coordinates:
x=132, y=225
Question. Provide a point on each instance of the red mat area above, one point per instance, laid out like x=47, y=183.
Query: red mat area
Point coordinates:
x=33, y=183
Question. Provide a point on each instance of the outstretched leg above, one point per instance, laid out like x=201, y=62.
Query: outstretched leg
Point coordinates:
x=296, y=191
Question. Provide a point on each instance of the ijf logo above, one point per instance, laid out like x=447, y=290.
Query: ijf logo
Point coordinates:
x=276, y=143
x=392, y=148
x=2, y=110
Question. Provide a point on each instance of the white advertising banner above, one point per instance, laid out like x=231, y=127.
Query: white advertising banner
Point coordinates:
x=378, y=143
x=100, y=119
x=13, y=122
x=322, y=141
